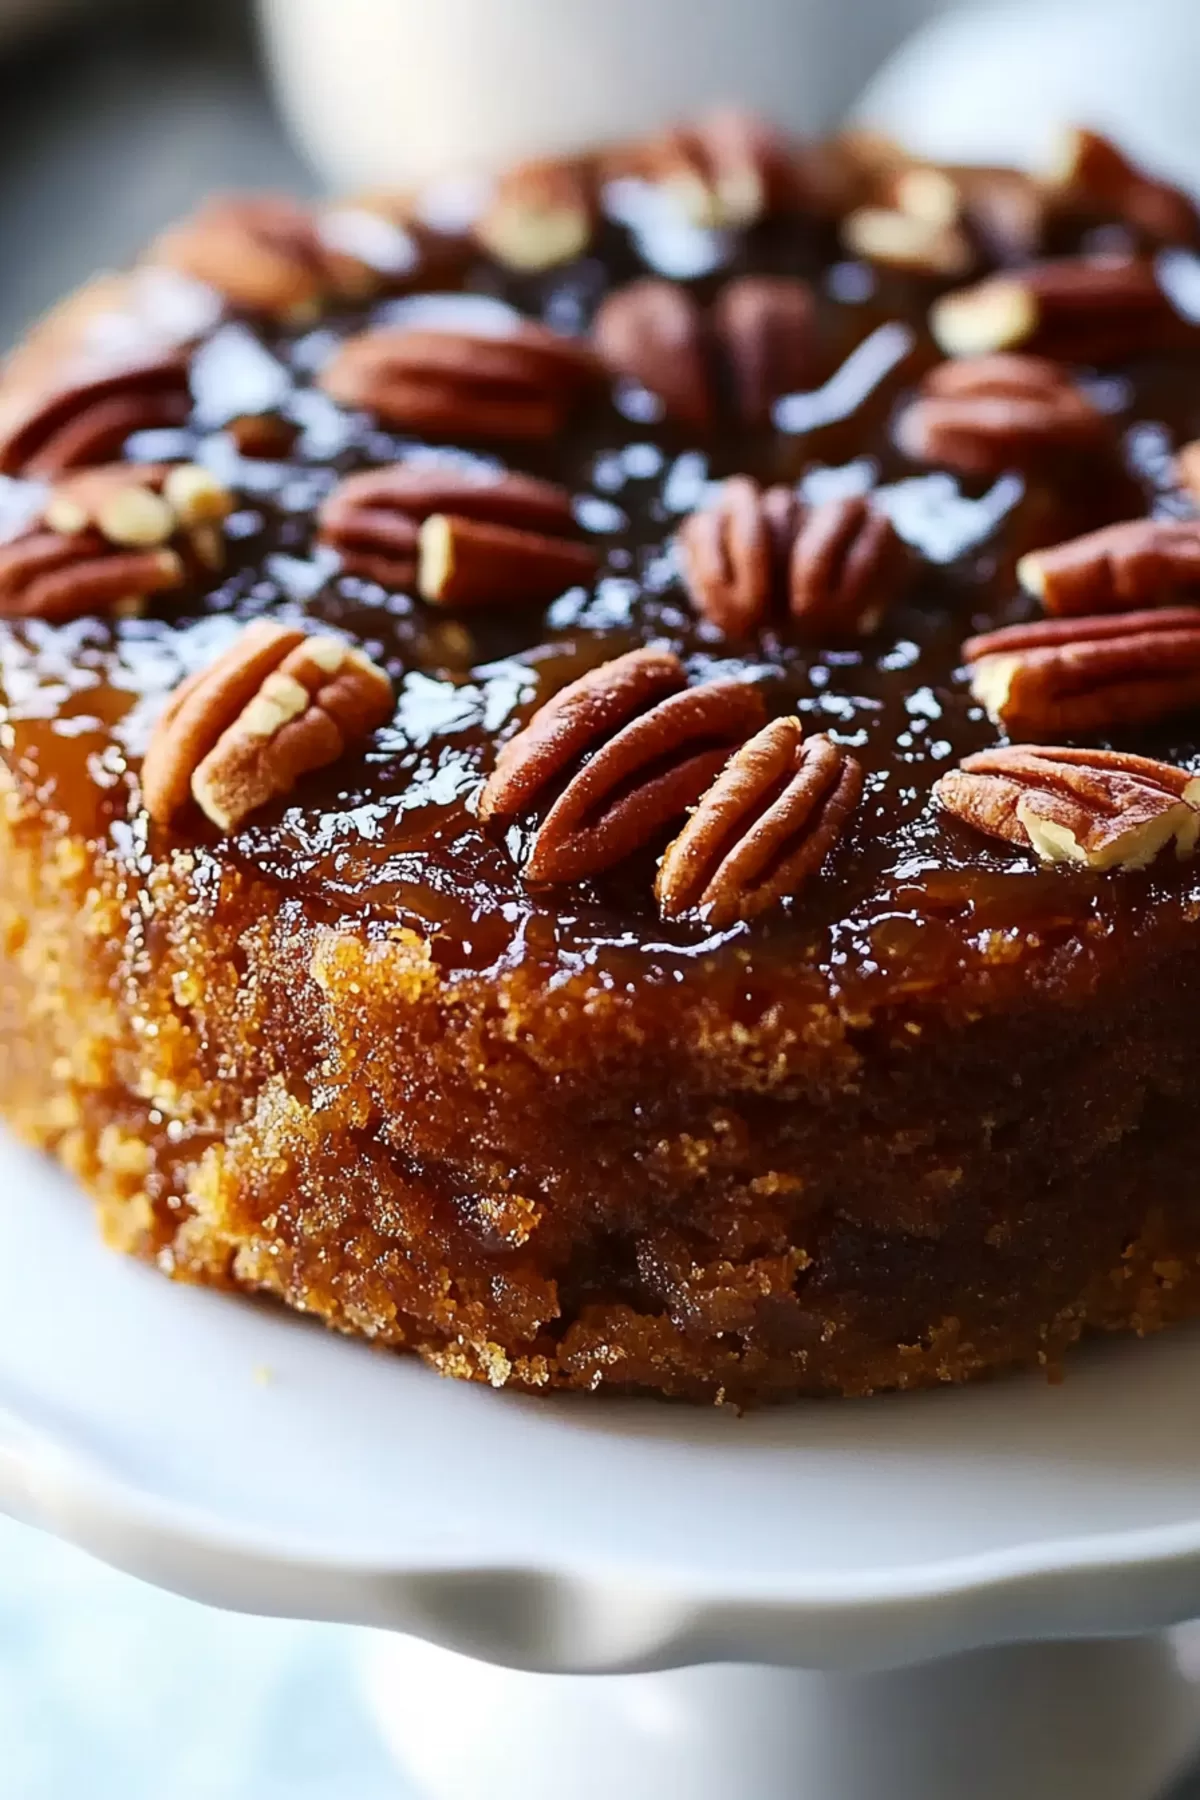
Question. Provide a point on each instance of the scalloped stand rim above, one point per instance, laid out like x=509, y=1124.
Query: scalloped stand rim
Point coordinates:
x=243, y=1457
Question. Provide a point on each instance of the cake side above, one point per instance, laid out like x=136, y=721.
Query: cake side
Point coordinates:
x=558, y=1187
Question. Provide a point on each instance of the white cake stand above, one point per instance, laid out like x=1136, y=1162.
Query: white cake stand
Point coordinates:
x=990, y=1548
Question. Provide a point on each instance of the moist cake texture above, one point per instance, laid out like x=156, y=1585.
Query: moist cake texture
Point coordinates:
x=924, y=1114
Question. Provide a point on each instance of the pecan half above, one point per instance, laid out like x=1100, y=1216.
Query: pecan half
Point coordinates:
x=766, y=328
x=46, y=575
x=372, y=518
x=267, y=253
x=835, y=567
x=1071, y=677
x=48, y=429
x=985, y=414
x=847, y=566
x=472, y=562
x=1090, y=174
x=1086, y=309
x=759, y=340
x=626, y=749
x=522, y=384
x=1132, y=564
x=540, y=214
x=1098, y=808
x=277, y=706
x=763, y=829
x=654, y=332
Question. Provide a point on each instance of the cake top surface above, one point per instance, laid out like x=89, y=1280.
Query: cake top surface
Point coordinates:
x=389, y=833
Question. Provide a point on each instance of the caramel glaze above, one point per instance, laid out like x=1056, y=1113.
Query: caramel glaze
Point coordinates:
x=912, y=913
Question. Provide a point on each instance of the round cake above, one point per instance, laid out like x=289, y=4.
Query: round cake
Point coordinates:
x=600, y=770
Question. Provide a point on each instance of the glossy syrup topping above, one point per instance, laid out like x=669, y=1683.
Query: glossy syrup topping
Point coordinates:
x=391, y=836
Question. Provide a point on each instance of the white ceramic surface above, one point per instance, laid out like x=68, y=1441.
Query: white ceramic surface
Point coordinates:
x=399, y=90
x=246, y=1457
x=243, y=1457
x=994, y=82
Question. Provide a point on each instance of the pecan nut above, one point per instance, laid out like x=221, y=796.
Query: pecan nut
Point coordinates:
x=471, y=562
x=835, y=567
x=276, y=707
x=1119, y=568
x=540, y=214
x=372, y=518
x=654, y=332
x=520, y=385
x=266, y=253
x=1097, y=808
x=1075, y=676
x=765, y=327
x=985, y=414
x=1090, y=175
x=618, y=755
x=49, y=427
x=1085, y=309
x=763, y=829
x=46, y=575
x=758, y=340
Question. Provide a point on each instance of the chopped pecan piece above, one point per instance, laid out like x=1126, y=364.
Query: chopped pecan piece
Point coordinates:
x=725, y=170
x=522, y=384
x=619, y=754
x=654, y=332
x=835, y=567
x=760, y=336
x=46, y=429
x=1187, y=469
x=472, y=562
x=1136, y=563
x=988, y=413
x=1090, y=175
x=267, y=253
x=766, y=327
x=1071, y=677
x=277, y=706
x=112, y=537
x=1003, y=211
x=907, y=241
x=1098, y=808
x=263, y=436
x=540, y=214
x=138, y=504
x=372, y=518
x=1085, y=309
x=763, y=829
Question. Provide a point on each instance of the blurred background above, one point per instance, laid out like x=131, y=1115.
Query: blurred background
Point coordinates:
x=116, y=117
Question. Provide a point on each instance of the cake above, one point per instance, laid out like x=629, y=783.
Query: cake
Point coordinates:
x=600, y=771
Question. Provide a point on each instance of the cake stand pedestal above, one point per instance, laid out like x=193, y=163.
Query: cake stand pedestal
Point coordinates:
x=968, y=1592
